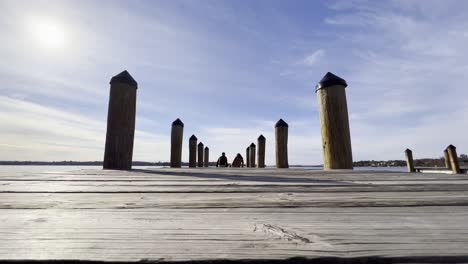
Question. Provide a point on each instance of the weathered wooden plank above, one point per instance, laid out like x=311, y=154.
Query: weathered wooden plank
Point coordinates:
x=130, y=234
x=142, y=187
x=219, y=174
x=229, y=200
x=209, y=214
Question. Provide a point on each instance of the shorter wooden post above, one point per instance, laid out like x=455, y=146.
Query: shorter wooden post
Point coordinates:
x=447, y=159
x=409, y=160
x=281, y=144
x=207, y=157
x=200, y=154
x=247, y=157
x=453, y=157
x=261, y=151
x=177, y=134
x=252, y=150
x=193, y=151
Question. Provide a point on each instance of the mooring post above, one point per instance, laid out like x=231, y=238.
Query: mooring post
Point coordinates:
x=177, y=134
x=193, y=151
x=200, y=154
x=447, y=160
x=453, y=157
x=334, y=123
x=252, y=150
x=281, y=144
x=261, y=151
x=120, y=134
x=206, y=159
x=409, y=160
x=247, y=157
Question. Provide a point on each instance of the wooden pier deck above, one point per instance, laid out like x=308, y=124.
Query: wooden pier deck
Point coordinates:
x=254, y=215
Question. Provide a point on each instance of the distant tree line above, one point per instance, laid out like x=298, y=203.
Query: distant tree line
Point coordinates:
x=440, y=162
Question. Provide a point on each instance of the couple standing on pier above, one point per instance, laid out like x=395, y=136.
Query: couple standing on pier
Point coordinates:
x=237, y=162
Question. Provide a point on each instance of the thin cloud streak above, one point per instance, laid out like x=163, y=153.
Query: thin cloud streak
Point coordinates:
x=313, y=58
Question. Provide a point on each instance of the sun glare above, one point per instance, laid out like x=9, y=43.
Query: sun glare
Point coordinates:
x=48, y=33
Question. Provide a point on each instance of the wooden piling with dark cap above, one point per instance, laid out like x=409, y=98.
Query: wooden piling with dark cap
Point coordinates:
x=409, y=160
x=252, y=151
x=200, y=154
x=453, y=157
x=261, y=151
x=447, y=160
x=334, y=123
x=247, y=156
x=120, y=134
x=177, y=134
x=281, y=144
x=206, y=158
x=193, y=151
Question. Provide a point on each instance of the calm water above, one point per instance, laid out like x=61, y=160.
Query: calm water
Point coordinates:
x=7, y=168
x=399, y=169
x=71, y=168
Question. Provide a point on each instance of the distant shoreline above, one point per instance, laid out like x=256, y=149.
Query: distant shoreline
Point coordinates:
x=99, y=163
x=427, y=162
x=163, y=164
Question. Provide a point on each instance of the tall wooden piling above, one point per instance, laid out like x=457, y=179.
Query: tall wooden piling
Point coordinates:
x=281, y=144
x=177, y=134
x=247, y=156
x=261, y=151
x=453, y=157
x=334, y=123
x=193, y=151
x=206, y=158
x=120, y=135
x=252, y=151
x=409, y=160
x=200, y=154
x=447, y=159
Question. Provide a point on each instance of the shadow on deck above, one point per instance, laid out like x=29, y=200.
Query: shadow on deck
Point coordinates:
x=237, y=177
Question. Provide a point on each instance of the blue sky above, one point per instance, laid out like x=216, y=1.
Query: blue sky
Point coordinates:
x=230, y=70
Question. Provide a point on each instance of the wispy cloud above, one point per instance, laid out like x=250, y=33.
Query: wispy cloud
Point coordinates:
x=313, y=58
x=34, y=132
x=404, y=79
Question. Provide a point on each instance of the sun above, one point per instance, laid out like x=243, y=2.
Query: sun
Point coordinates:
x=48, y=33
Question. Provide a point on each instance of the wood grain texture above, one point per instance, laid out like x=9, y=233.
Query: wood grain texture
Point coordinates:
x=247, y=156
x=235, y=214
x=253, y=155
x=201, y=147
x=192, y=153
x=447, y=160
x=120, y=134
x=453, y=157
x=281, y=147
x=334, y=126
x=261, y=144
x=409, y=160
x=177, y=135
x=206, y=157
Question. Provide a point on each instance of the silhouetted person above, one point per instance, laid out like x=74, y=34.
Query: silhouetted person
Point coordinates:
x=238, y=161
x=222, y=161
